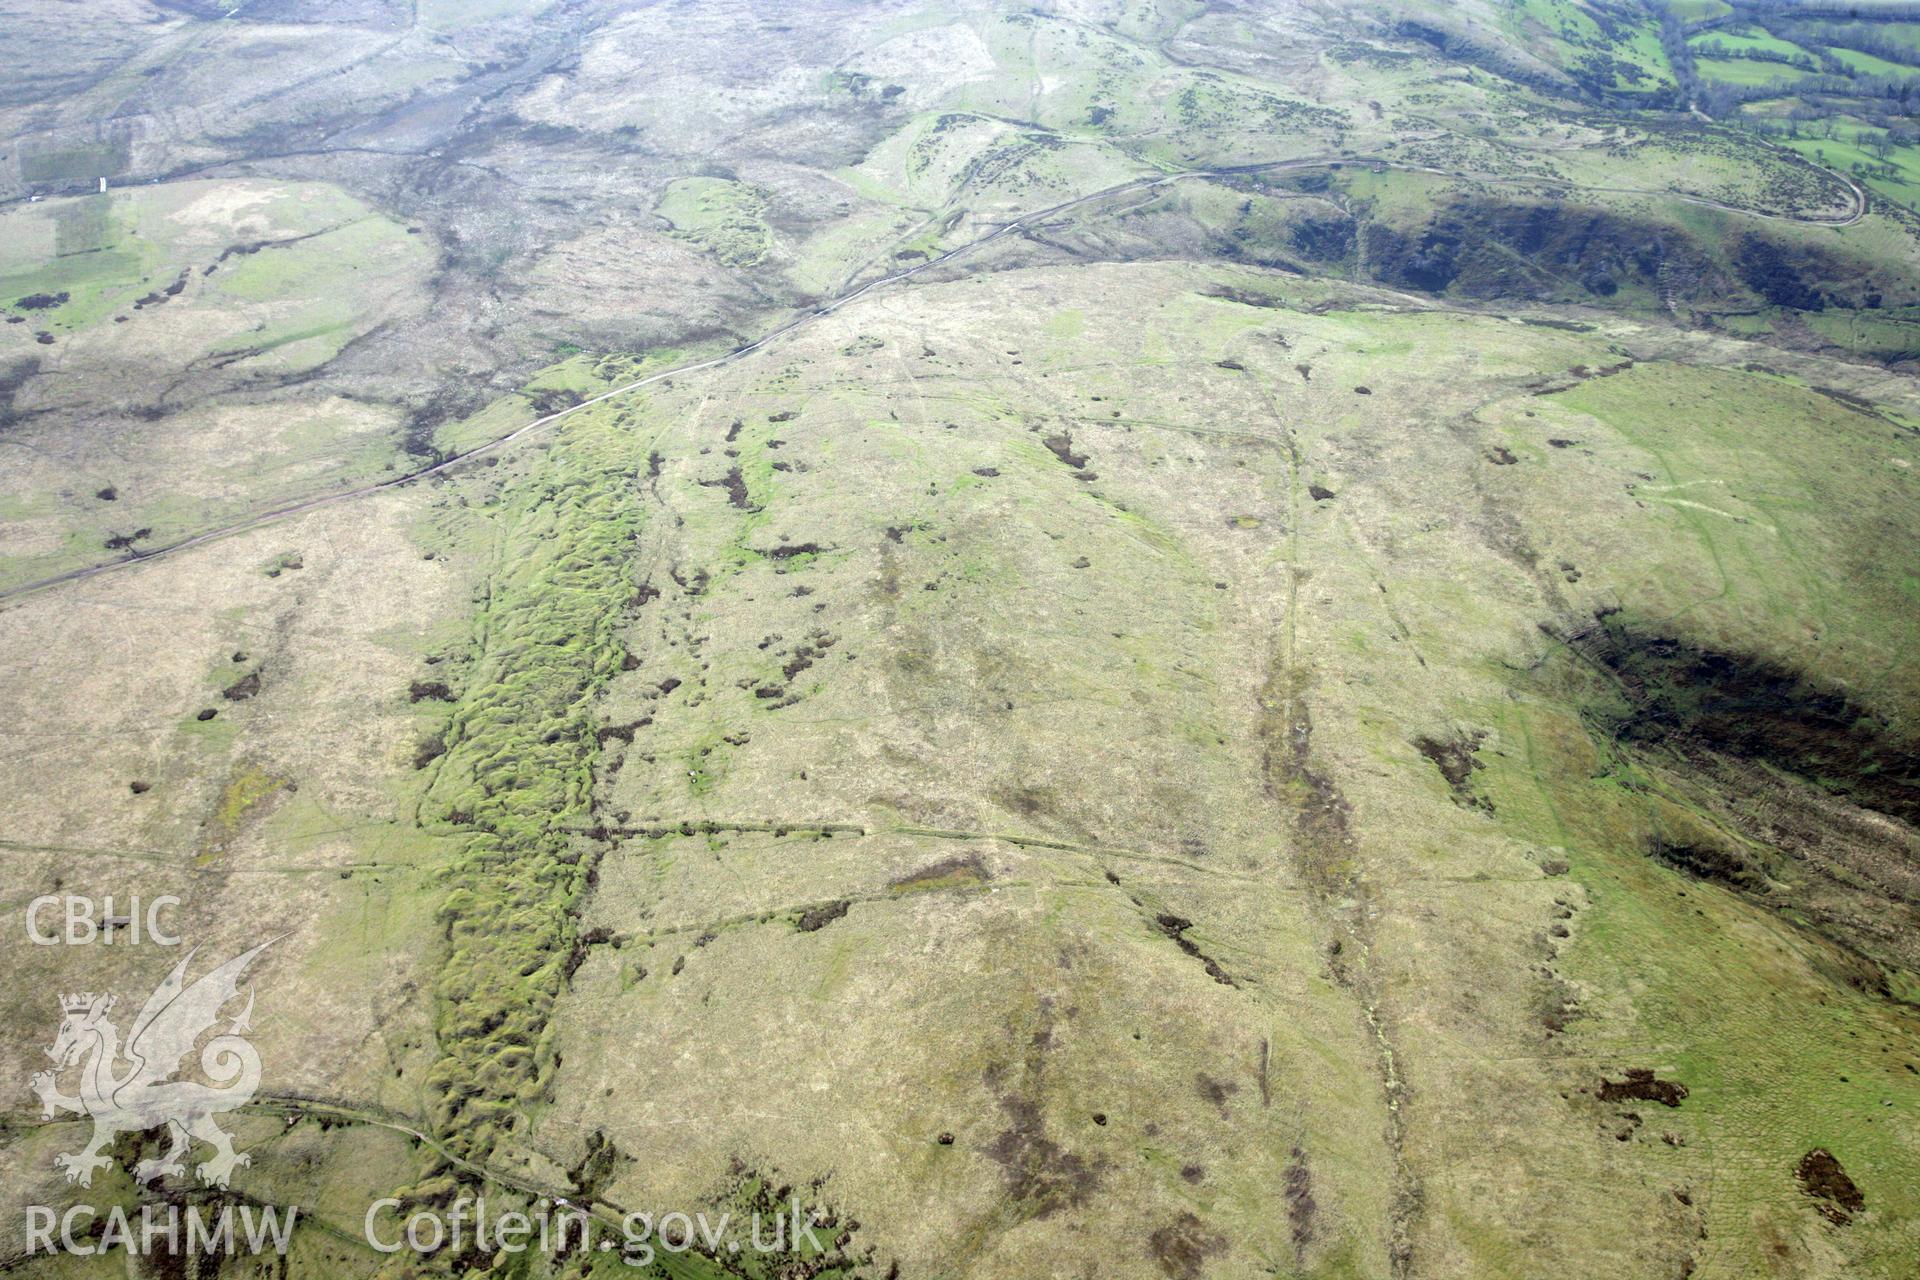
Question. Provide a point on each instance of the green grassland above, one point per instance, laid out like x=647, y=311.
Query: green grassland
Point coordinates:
x=1212, y=734
x=1867, y=64
x=107, y=251
x=147, y=288
x=1571, y=34
x=739, y=811
x=1858, y=149
x=1794, y=74
x=1745, y=72
x=726, y=218
x=1698, y=10
x=78, y=249
x=1752, y=554
x=1738, y=41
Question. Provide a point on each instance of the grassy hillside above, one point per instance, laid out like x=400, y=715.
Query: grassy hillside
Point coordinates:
x=1130, y=639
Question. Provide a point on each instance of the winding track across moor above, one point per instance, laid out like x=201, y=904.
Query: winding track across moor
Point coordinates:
x=1858, y=210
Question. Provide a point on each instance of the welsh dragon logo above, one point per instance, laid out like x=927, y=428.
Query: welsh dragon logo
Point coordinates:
x=147, y=1093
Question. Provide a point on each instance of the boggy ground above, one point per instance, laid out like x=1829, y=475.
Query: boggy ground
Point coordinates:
x=1038, y=857
x=1098, y=765
x=1292, y=580
x=330, y=237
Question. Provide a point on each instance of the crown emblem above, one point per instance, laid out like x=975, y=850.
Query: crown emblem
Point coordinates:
x=77, y=1003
